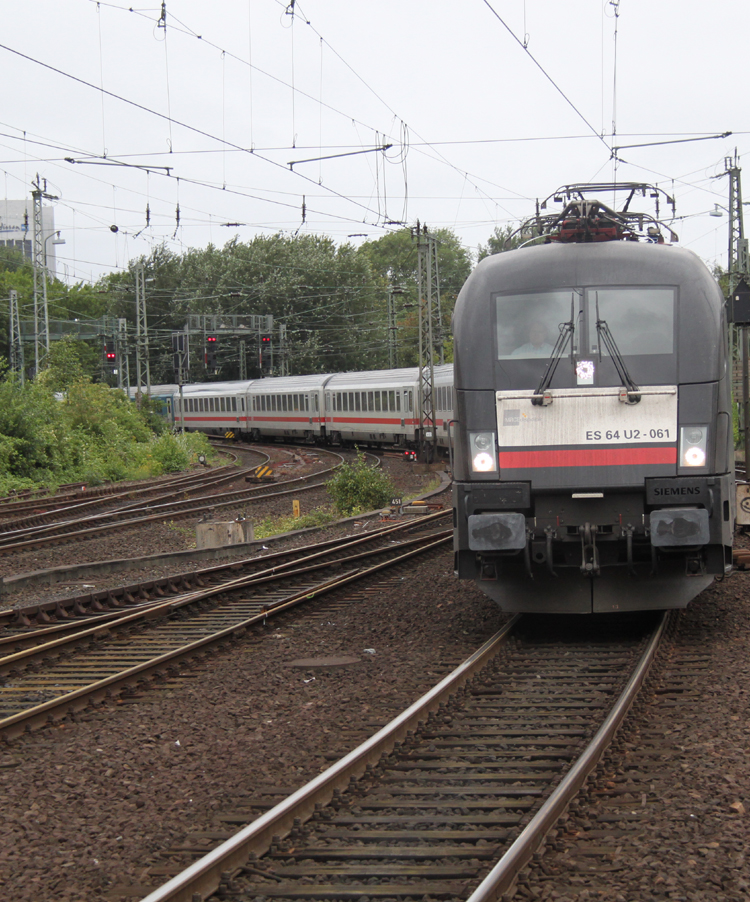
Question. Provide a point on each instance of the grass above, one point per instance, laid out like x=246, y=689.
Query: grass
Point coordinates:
x=272, y=526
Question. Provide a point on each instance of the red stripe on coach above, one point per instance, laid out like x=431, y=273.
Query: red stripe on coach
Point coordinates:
x=588, y=457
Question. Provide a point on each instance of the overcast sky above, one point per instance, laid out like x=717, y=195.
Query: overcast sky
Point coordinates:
x=479, y=125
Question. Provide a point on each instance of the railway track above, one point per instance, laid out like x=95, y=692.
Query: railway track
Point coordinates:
x=34, y=535
x=452, y=798
x=51, y=672
x=14, y=509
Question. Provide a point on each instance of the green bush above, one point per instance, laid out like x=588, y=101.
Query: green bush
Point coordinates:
x=177, y=452
x=357, y=487
x=86, y=433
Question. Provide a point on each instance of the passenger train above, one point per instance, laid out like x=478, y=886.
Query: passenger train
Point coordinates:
x=368, y=408
x=594, y=456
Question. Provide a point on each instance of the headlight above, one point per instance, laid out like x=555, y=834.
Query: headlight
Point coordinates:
x=482, y=452
x=693, y=446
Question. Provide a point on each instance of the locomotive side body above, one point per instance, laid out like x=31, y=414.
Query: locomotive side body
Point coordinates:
x=594, y=449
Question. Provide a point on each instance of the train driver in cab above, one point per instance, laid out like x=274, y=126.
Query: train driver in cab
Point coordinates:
x=537, y=345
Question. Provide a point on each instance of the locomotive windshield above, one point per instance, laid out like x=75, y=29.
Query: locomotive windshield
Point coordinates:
x=528, y=324
x=641, y=319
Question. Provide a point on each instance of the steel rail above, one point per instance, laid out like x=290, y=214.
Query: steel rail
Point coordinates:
x=52, y=519
x=100, y=494
x=135, y=614
x=74, y=701
x=174, y=511
x=61, y=607
x=204, y=876
x=502, y=877
x=152, y=505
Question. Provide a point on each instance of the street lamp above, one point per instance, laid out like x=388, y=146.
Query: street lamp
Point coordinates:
x=56, y=240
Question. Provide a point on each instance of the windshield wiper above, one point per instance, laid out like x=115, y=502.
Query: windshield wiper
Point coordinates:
x=605, y=336
x=542, y=396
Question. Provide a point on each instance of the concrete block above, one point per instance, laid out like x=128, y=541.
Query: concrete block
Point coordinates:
x=219, y=533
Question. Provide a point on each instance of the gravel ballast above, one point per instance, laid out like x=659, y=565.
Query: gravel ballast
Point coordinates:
x=90, y=808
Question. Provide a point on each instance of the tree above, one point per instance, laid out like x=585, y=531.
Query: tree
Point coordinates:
x=394, y=262
x=502, y=239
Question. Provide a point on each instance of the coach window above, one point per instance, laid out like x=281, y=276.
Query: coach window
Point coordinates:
x=398, y=402
x=528, y=324
x=234, y=403
x=377, y=401
x=641, y=320
x=411, y=400
x=391, y=400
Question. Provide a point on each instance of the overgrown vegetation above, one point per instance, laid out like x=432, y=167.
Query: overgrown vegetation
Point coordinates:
x=64, y=428
x=273, y=526
x=357, y=487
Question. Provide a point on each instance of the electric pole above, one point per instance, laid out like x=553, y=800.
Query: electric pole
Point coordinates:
x=141, y=338
x=41, y=319
x=392, y=327
x=243, y=362
x=16, y=343
x=738, y=269
x=430, y=336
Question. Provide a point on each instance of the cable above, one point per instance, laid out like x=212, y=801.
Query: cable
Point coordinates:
x=185, y=125
x=545, y=74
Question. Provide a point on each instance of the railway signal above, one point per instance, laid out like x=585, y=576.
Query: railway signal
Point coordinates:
x=265, y=354
x=211, y=345
x=110, y=354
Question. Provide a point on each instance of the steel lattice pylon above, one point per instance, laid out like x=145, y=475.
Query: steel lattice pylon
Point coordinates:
x=16, y=342
x=430, y=336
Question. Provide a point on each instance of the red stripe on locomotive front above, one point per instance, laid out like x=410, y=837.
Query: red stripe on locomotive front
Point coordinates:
x=588, y=457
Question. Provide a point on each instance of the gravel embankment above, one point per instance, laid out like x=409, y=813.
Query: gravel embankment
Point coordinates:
x=89, y=808
x=170, y=536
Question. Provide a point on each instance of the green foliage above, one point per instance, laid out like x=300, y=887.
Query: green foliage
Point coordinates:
x=357, y=487
x=507, y=239
x=393, y=259
x=90, y=433
x=273, y=526
x=174, y=452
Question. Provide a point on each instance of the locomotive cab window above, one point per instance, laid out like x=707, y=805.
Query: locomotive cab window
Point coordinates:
x=528, y=324
x=640, y=319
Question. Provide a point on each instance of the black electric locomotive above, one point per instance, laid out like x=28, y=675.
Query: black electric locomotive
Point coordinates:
x=594, y=464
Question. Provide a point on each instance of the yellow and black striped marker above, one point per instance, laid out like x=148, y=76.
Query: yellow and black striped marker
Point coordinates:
x=262, y=473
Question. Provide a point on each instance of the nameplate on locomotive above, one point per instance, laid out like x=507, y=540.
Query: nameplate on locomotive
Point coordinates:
x=680, y=490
